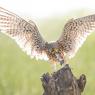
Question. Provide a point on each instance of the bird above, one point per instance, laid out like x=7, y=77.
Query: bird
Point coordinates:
x=27, y=36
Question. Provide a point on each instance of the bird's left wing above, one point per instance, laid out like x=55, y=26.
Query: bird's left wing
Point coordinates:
x=26, y=34
x=75, y=33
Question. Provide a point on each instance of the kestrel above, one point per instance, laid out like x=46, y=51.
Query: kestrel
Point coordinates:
x=27, y=36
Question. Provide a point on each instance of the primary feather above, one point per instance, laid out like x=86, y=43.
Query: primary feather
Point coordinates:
x=75, y=33
x=26, y=34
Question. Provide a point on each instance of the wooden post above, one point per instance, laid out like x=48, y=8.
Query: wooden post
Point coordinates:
x=63, y=82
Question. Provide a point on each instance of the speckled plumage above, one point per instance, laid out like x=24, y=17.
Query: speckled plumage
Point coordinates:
x=75, y=33
x=27, y=36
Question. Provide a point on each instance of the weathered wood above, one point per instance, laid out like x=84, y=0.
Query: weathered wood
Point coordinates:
x=63, y=82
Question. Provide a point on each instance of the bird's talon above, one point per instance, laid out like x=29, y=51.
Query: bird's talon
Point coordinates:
x=61, y=62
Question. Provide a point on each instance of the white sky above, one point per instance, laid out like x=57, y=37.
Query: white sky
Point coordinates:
x=44, y=8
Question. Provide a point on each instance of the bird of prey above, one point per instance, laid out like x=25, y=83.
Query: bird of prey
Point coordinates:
x=28, y=37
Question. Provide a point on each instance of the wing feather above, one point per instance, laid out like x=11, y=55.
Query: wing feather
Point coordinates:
x=75, y=33
x=26, y=34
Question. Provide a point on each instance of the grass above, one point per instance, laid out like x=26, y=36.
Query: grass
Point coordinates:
x=19, y=75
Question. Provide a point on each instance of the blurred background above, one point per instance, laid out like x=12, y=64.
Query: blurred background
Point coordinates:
x=19, y=74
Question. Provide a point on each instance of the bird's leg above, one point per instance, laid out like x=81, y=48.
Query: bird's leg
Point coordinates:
x=66, y=59
x=53, y=66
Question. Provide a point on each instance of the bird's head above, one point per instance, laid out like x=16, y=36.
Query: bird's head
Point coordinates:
x=55, y=53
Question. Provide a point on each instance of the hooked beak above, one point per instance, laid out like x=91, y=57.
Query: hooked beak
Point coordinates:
x=60, y=59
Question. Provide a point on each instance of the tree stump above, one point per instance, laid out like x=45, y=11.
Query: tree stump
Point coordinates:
x=63, y=82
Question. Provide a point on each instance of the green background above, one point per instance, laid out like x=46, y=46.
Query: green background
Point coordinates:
x=20, y=75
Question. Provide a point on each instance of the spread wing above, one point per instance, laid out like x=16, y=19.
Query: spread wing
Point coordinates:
x=26, y=34
x=75, y=33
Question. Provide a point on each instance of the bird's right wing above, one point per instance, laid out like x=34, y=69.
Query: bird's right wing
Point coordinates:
x=75, y=33
x=24, y=33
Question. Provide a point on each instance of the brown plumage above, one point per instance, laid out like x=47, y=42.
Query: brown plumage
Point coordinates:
x=27, y=36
